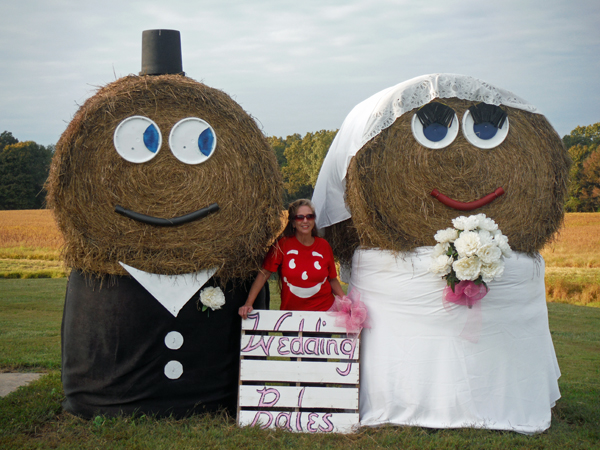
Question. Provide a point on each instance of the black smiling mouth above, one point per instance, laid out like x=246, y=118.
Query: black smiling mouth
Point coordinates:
x=156, y=221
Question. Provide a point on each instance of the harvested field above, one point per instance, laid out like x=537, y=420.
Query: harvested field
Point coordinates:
x=34, y=229
x=30, y=248
x=578, y=243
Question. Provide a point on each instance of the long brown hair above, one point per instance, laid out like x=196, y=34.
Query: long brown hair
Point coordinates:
x=289, y=230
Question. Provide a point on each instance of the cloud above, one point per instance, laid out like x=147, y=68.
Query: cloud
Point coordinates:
x=301, y=66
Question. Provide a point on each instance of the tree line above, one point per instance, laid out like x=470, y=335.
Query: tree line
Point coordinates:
x=24, y=167
x=300, y=159
x=584, y=188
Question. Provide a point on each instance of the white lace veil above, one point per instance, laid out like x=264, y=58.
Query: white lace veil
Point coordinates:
x=378, y=112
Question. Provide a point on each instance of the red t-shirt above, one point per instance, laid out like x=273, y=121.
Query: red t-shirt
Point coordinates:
x=305, y=273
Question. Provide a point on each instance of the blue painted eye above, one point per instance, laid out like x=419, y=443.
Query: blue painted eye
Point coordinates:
x=435, y=132
x=485, y=130
x=206, y=141
x=434, y=135
x=484, y=135
x=192, y=140
x=137, y=139
x=152, y=138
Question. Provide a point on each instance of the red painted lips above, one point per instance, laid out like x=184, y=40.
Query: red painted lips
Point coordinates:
x=467, y=206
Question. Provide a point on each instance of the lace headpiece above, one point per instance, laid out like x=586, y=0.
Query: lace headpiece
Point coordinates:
x=380, y=111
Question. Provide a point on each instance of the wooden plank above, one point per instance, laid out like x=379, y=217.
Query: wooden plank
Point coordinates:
x=298, y=397
x=297, y=347
x=308, y=321
x=302, y=421
x=299, y=371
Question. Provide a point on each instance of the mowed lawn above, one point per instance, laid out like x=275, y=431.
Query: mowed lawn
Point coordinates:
x=30, y=318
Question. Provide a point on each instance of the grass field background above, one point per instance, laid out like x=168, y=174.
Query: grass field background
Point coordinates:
x=30, y=248
x=32, y=417
x=31, y=302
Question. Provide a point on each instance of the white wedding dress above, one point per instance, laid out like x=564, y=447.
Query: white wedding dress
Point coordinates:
x=416, y=367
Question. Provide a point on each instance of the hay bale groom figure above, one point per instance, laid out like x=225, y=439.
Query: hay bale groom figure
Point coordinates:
x=167, y=195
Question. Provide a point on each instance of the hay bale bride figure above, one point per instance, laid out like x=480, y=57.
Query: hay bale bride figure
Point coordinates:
x=436, y=195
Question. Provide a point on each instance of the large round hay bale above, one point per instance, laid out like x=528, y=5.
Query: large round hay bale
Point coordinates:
x=89, y=178
x=390, y=179
x=405, y=162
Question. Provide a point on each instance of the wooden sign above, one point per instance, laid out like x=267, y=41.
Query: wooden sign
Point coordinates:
x=298, y=371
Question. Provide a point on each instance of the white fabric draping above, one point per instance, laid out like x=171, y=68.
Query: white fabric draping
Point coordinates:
x=378, y=112
x=417, y=370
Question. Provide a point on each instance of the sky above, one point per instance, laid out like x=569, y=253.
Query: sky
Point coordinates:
x=299, y=66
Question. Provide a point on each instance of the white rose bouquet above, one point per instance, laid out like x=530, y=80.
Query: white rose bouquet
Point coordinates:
x=211, y=297
x=469, y=256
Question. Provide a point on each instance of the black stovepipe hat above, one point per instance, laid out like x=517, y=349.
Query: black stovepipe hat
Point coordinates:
x=161, y=52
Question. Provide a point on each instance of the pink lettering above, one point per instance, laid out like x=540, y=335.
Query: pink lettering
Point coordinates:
x=280, y=320
x=287, y=420
x=315, y=349
x=331, y=342
x=256, y=317
x=311, y=421
x=263, y=393
x=344, y=373
x=329, y=427
x=261, y=343
x=282, y=342
x=352, y=344
x=299, y=415
x=257, y=416
x=299, y=340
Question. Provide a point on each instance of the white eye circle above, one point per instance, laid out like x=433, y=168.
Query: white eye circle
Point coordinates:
x=192, y=140
x=292, y=264
x=484, y=135
x=435, y=135
x=137, y=139
x=317, y=265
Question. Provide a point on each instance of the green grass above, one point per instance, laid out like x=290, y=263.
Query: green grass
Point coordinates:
x=30, y=317
x=30, y=314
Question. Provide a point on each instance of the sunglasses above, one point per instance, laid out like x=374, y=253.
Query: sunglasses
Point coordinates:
x=301, y=217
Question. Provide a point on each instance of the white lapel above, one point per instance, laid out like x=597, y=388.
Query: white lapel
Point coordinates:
x=171, y=291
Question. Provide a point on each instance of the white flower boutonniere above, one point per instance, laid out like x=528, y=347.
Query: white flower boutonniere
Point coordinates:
x=211, y=297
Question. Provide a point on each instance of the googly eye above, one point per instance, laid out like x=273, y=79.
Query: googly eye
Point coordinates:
x=192, y=140
x=435, y=134
x=137, y=139
x=484, y=135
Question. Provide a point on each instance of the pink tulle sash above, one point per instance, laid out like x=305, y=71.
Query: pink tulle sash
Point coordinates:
x=467, y=293
x=350, y=312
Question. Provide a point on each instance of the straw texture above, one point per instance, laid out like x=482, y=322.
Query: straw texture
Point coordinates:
x=88, y=178
x=390, y=179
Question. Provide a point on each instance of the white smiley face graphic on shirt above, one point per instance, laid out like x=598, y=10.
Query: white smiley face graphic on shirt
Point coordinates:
x=305, y=292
